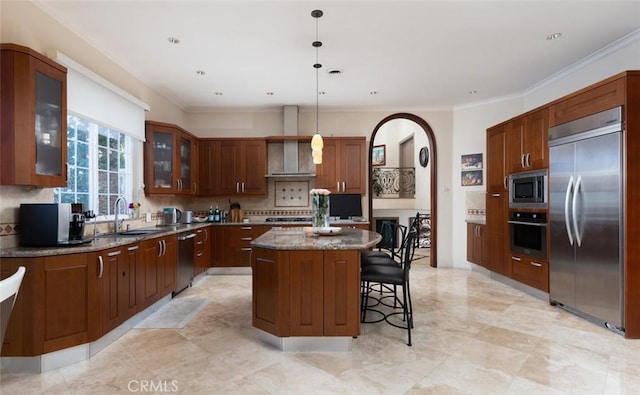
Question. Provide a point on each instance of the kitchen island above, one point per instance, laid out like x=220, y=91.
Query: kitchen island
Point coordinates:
x=306, y=287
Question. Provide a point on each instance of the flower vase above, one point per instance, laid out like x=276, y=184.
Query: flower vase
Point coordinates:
x=320, y=211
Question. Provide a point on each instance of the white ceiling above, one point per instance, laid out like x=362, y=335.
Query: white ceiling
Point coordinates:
x=415, y=54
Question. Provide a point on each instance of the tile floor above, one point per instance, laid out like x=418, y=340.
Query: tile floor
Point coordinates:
x=472, y=335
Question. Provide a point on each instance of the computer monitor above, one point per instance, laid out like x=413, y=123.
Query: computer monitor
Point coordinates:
x=345, y=206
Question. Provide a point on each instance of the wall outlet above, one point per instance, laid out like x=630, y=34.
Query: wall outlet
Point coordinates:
x=147, y=217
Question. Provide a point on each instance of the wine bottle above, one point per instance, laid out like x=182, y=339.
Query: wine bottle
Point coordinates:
x=216, y=215
x=211, y=216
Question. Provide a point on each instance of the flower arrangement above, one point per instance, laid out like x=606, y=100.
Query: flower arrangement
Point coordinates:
x=134, y=205
x=320, y=207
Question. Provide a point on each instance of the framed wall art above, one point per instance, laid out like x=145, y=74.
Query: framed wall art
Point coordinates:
x=471, y=170
x=378, y=155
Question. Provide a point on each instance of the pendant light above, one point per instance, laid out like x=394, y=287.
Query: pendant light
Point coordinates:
x=316, y=142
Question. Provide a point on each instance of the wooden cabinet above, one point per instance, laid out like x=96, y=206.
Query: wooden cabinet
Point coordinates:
x=497, y=168
x=202, y=250
x=475, y=243
x=530, y=271
x=306, y=293
x=157, y=270
x=497, y=233
x=208, y=174
x=240, y=167
x=170, y=160
x=119, y=269
x=240, y=237
x=528, y=149
x=343, y=165
x=58, y=305
x=33, y=120
x=590, y=100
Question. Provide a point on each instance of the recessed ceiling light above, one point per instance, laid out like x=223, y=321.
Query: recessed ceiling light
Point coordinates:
x=269, y=93
x=321, y=92
x=554, y=36
x=373, y=92
x=200, y=72
x=218, y=93
x=473, y=92
x=174, y=40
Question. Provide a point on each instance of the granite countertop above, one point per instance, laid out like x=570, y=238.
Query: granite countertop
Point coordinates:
x=101, y=242
x=301, y=238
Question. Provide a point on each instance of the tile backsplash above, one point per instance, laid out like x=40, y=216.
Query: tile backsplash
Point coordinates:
x=475, y=204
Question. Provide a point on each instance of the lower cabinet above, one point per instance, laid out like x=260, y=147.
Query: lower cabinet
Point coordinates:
x=232, y=244
x=119, y=283
x=58, y=305
x=530, y=271
x=157, y=270
x=475, y=243
x=306, y=293
x=202, y=250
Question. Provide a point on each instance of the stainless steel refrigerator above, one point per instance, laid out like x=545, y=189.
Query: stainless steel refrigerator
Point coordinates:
x=586, y=273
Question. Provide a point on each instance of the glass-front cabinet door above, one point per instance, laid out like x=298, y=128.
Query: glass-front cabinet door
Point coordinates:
x=48, y=125
x=169, y=160
x=33, y=119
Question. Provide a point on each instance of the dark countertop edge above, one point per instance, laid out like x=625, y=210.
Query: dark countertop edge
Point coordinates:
x=332, y=247
x=98, y=244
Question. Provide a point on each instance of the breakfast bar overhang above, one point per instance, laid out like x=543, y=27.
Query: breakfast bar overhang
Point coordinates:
x=306, y=287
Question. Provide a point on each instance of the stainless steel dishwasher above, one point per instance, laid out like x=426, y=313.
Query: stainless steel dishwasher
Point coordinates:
x=185, y=261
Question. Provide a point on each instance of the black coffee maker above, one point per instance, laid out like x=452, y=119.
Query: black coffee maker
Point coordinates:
x=76, y=224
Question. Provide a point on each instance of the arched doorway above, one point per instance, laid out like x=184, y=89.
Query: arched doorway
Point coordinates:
x=433, y=176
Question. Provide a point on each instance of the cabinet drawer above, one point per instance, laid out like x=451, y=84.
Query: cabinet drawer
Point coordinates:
x=242, y=235
x=530, y=271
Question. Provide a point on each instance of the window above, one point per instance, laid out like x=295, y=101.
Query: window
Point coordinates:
x=100, y=166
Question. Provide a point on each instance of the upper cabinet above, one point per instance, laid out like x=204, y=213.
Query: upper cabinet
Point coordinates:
x=497, y=168
x=170, y=160
x=240, y=167
x=343, y=165
x=527, y=140
x=33, y=119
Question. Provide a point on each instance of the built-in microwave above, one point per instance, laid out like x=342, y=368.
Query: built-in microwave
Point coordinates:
x=528, y=190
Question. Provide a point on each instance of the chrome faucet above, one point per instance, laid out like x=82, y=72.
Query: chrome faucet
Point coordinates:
x=118, y=224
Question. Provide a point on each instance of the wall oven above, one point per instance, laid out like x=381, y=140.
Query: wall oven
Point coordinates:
x=528, y=233
x=528, y=189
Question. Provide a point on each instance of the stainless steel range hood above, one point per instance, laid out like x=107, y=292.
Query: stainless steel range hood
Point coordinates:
x=290, y=158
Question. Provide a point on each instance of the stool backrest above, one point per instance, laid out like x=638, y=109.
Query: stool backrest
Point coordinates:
x=8, y=293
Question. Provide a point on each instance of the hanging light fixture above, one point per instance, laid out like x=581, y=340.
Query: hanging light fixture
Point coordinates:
x=316, y=142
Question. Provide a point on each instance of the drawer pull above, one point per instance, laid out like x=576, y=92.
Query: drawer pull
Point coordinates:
x=245, y=249
x=246, y=238
x=114, y=253
x=536, y=264
x=515, y=258
x=246, y=227
x=133, y=248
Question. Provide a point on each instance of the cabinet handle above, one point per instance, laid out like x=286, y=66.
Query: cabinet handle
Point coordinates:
x=114, y=253
x=515, y=258
x=206, y=235
x=199, y=254
x=338, y=186
x=195, y=188
x=495, y=195
x=101, y=266
x=536, y=264
x=200, y=243
x=246, y=238
x=504, y=182
x=132, y=248
x=246, y=227
x=522, y=165
x=237, y=187
x=245, y=249
x=528, y=159
x=164, y=248
x=243, y=187
x=159, y=247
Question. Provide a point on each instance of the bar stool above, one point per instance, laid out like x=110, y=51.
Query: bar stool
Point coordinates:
x=8, y=293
